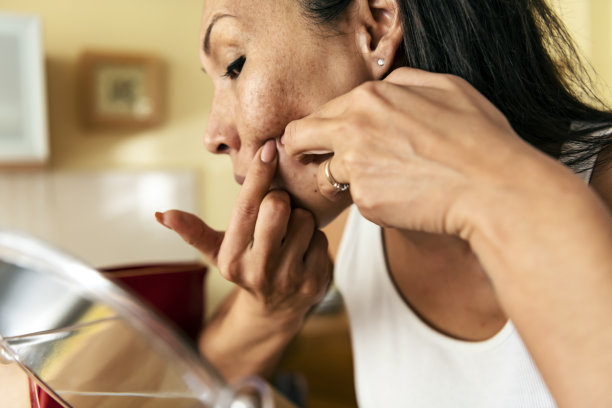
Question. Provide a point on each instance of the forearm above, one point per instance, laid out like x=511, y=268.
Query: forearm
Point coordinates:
x=239, y=341
x=550, y=260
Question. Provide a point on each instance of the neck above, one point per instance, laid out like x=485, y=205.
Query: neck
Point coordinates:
x=443, y=282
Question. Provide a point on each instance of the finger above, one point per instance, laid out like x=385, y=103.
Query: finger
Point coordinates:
x=299, y=233
x=318, y=246
x=256, y=185
x=193, y=231
x=271, y=226
x=416, y=78
x=317, y=260
x=311, y=135
x=406, y=76
x=326, y=178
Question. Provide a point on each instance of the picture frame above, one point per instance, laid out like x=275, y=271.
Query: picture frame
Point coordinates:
x=24, y=139
x=121, y=90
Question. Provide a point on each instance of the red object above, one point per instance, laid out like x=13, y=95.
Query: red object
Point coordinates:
x=175, y=290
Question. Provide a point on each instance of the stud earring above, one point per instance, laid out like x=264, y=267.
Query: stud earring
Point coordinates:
x=381, y=62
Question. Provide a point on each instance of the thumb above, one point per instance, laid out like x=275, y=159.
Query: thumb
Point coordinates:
x=194, y=231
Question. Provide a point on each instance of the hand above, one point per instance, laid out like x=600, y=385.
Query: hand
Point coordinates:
x=273, y=252
x=412, y=148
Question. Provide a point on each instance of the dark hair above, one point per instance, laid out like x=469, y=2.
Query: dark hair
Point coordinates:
x=515, y=52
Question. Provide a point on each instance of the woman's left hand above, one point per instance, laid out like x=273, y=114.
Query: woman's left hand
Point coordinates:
x=412, y=147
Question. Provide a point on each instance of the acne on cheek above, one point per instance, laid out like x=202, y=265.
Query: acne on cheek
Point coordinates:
x=316, y=190
x=270, y=103
x=301, y=182
x=297, y=178
x=266, y=108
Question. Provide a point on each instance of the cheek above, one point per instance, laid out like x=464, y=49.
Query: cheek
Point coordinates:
x=299, y=179
x=301, y=182
x=266, y=108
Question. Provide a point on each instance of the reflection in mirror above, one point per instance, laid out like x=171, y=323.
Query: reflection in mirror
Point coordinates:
x=90, y=344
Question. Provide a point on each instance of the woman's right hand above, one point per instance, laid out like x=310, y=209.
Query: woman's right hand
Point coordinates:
x=274, y=252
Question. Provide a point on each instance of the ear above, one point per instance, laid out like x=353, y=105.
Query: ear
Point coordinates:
x=379, y=34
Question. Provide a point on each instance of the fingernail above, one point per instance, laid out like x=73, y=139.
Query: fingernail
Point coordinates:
x=160, y=218
x=268, y=153
x=282, y=140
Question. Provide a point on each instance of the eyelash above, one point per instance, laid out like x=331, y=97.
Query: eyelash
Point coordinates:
x=234, y=69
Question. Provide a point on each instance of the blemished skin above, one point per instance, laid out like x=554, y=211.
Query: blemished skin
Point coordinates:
x=272, y=90
x=487, y=233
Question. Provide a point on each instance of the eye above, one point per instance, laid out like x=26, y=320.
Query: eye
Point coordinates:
x=233, y=70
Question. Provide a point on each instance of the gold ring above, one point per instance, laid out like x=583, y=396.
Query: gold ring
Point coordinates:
x=332, y=180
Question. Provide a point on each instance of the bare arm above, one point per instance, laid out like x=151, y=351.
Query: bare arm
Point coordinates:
x=427, y=152
x=550, y=261
x=240, y=342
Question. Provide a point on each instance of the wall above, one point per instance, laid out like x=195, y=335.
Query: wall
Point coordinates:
x=168, y=29
x=589, y=23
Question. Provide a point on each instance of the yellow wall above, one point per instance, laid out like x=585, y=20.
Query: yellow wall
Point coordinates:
x=168, y=29
x=589, y=23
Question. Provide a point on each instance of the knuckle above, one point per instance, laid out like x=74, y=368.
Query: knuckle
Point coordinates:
x=368, y=95
x=366, y=202
x=367, y=88
x=453, y=81
x=303, y=217
x=393, y=74
x=258, y=282
x=356, y=122
x=319, y=241
x=289, y=135
x=277, y=201
x=309, y=289
x=285, y=286
x=247, y=208
x=230, y=269
x=351, y=159
x=313, y=289
x=398, y=73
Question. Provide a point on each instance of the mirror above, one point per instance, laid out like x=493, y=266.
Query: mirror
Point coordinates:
x=89, y=343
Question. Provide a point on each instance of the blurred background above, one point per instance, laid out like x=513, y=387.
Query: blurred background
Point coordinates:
x=161, y=167
x=96, y=190
x=164, y=165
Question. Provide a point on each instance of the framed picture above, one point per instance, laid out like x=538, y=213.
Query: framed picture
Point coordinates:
x=23, y=101
x=121, y=90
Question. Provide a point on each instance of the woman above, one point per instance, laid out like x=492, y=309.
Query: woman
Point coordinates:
x=470, y=250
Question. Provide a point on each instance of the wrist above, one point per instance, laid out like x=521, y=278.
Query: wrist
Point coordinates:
x=252, y=311
x=244, y=339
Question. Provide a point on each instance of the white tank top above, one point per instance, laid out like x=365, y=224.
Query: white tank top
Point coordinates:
x=400, y=361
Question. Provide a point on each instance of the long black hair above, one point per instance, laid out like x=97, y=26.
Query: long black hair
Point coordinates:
x=517, y=53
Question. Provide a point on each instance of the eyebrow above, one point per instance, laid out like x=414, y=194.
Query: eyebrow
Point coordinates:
x=209, y=29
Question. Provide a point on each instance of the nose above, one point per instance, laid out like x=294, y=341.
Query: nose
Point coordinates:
x=221, y=136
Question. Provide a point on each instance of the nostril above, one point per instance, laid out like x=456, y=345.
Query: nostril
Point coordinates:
x=222, y=148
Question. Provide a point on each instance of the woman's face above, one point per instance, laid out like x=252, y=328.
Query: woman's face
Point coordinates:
x=269, y=66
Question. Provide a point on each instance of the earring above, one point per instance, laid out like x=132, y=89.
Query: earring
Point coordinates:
x=381, y=62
